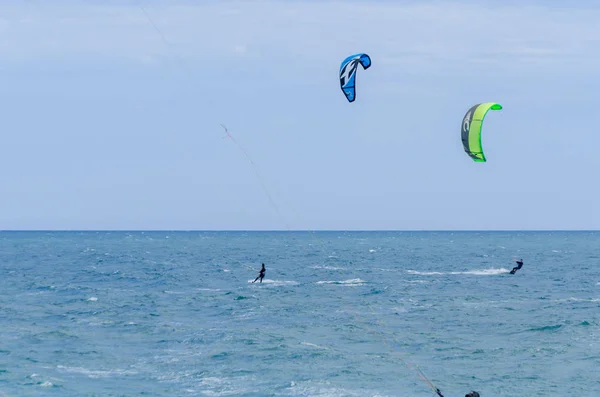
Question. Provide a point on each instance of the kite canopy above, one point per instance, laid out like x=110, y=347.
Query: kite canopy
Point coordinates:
x=348, y=73
x=471, y=129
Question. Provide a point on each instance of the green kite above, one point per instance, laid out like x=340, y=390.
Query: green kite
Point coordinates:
x=471, y=129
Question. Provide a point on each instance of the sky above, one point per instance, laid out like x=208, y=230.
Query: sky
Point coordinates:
x=111, y=114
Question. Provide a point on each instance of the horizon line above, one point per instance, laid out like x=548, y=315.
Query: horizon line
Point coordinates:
x=295, y=230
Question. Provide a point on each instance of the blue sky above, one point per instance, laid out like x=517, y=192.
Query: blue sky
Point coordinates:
x=107, y=126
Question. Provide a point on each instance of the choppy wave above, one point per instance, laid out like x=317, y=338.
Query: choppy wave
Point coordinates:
x=350, y=282
x=169, y=321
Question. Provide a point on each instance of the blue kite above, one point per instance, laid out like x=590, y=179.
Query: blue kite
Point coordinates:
x=348, y=73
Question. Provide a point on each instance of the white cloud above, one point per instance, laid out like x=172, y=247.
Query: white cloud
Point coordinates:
x=418, y=35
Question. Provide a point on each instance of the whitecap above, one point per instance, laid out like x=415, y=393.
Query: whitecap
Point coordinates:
x=313, y=345
x=424, y=273
x=95, y=373
x=327, y=267
x=351, y=282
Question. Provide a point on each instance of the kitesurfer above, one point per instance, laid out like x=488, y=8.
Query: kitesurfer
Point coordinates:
x=261, y=275
x=519, y=266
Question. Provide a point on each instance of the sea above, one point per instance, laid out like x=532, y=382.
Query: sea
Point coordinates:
x=339, y=313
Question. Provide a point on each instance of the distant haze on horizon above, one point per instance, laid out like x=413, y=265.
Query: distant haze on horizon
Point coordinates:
x=112, y=111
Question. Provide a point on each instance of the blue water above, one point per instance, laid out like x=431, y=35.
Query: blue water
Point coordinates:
x=338, y=314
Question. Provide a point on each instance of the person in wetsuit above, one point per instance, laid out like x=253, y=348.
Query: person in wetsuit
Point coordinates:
x=519, y=266
x=261, y=275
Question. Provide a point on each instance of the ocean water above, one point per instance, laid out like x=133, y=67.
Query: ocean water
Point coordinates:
x=338, y=314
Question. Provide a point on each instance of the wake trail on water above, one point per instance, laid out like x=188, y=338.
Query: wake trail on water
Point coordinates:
x=476, y=272
x=274, y=282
